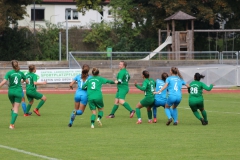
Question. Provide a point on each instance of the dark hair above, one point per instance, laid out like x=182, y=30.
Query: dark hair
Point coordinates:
x=145, y=74
x=95, y=71
x=176, y=72
x=164, y=76
x=31, y=68
x=124, y=63
x=85, y=70
x=15, y=65
x=198, y=76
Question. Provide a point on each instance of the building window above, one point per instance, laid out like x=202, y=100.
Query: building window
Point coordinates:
x=39, y=14
x=72, y=14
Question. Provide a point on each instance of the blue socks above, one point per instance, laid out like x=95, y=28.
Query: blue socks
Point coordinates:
x=175, y=114
x=24, y=107
x=154, y=112
x=168, y=112
x=73, y=115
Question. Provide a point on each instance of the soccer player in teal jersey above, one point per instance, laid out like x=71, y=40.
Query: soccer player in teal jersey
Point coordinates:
x=122, y=89
x=148, y=88
x=174, y=86
x=161, y=98
x=14, y=89
x=31, y=91
x=80, y=97
x=94, y=92
x=196, y=100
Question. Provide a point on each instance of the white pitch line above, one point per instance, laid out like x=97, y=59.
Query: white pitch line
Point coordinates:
x=26, y=152
x=214, y=111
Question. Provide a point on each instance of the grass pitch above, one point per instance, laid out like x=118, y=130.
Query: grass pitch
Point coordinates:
x=49, y=137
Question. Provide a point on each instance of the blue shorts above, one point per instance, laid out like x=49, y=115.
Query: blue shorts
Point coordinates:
x=159, y=103
x=173, y=100
x=81, y=99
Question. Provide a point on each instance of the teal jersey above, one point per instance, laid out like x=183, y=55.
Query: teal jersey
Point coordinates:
x=31, y=77
x=195, y=90
x=94, y=86
x=148, y=86
x=123, y=77
x=14, y=78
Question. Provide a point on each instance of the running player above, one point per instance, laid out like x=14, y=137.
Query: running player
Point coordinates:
x=94, y=92
x=161, y=98
x=122, y=89
x=174, y=86
x=196, y=98
x=14, y=89
x=148, y=100
x=80, y=97
x=31, y=90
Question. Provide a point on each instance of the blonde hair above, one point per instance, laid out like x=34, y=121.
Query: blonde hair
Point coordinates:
x=176, y=72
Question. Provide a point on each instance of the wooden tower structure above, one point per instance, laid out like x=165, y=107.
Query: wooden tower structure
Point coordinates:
x=181, y=40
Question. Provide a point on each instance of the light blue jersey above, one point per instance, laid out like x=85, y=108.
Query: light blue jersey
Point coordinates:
x=163, y=95
x=80, y=94
x=175, y=85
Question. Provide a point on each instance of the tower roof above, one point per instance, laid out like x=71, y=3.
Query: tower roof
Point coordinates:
x=180, y=16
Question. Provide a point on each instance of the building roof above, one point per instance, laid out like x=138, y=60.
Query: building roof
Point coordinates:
x=180, y=16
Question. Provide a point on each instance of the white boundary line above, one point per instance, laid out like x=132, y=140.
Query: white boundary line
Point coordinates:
x=26, y=152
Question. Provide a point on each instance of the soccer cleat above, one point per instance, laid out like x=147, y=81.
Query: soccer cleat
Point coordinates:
x=203, y=122
x=110, y=116
x=36, y=111
x=11, y=126
x=175, y=123
x=169, y=121
x=155, y=120
x=26, y=115
x=99, y=122
x=69, y=125
x=30, y=113
x=150, y=121
x=139, y=122
x=206, y=122
x=132, y=113
x=92, y=126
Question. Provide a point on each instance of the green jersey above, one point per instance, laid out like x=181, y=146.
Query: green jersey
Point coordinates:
x=123, y=77
x=195, y=90
x=15, y=78
x=148, y=86
x=94, y=87
x=31, y=77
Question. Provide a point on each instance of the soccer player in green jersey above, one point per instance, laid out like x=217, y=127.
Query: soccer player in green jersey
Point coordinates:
x=122, y=89
x=196, y=99
x=31, y=91
x=148, y=86
x=95, y=98
x=14, y=89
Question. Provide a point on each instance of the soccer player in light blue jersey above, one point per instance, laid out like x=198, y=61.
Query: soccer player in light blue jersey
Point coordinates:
x=161, y=98
x=174, y=86
x=80, y=94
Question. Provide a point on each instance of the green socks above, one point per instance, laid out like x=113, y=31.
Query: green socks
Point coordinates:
x=115, y=107
x=14, y=117
x=28, y=108
x=204, y=114
x=138, y=112
x=100, y=114
x=93, y=117
x=40, y=104
x=127, y=106
x=196, y=113
x=149, y=112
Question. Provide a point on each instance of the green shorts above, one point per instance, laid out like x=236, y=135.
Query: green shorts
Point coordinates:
x=95, y=103
x=121, y=93
x=15, y=95
x=194, y=105
x=31, y=95
x=147, y=101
